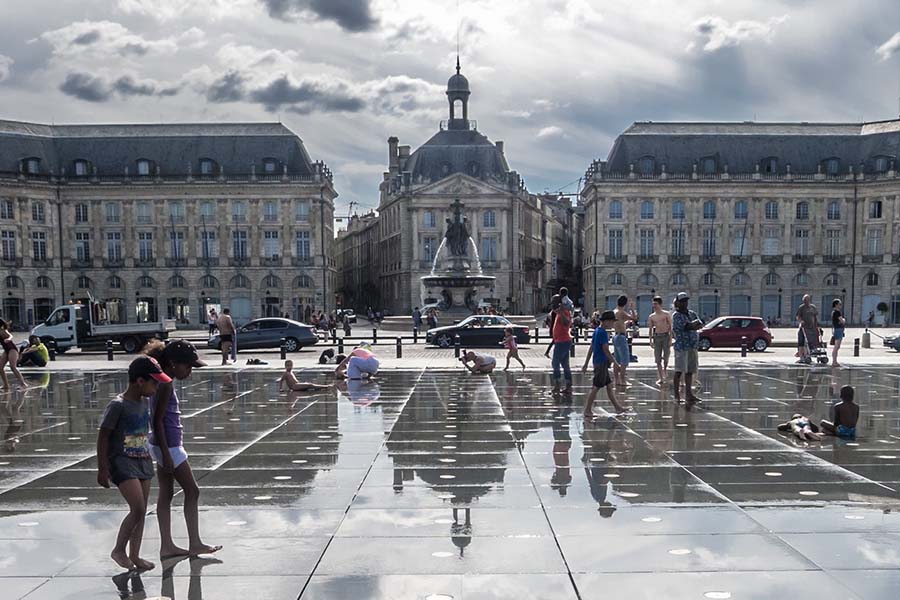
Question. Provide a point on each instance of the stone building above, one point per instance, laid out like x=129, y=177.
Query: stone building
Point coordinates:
x=163, y=220
x=747, y=217
x=356, y=252
x=505, y=221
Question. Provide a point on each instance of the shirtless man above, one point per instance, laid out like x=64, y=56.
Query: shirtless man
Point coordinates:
x=622, y=353
x=660, y=323
x=295, y=385
x=226, y=333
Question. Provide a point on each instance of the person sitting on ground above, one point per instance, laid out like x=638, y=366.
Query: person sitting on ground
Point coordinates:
x=844, y=414
x=293, y=384
x=361, y=363
x=36, y=354
x=481, y=363
x=801, y=427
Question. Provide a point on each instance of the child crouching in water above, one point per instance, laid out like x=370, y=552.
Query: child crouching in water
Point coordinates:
x=295, y=385
x=844, y=414
x=123, y=456
x=178, y=359
x=509, y=342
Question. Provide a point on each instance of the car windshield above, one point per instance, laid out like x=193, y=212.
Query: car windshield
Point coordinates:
x=715, y=322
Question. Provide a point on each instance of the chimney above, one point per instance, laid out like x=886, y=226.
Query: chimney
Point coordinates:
x=393, y=165
x=403, y=156
x=499, y=145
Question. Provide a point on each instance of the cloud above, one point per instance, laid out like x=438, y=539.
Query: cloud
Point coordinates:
x=889, y=48
x=719, y=33
x=227, y=88
x=306, y=96
x=87, y=38
x=6, y=64
x=350, y=15
x=102, y=39
x=550, y=132
x=168, y=10
x=95, y=88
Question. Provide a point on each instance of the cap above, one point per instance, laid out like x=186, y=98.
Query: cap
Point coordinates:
x=608, y=315
x=144, y=367
x=183, y=352
x=682, y=296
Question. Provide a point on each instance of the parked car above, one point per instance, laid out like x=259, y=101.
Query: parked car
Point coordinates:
x=267, y=333
x=477, y=330
x=730, y=332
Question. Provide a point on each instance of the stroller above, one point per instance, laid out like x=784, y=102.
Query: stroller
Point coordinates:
x=814, y=348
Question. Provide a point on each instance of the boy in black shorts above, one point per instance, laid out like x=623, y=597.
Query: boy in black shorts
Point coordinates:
x=599, y=350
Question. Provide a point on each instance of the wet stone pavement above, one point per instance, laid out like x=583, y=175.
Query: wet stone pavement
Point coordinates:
x=443, y=485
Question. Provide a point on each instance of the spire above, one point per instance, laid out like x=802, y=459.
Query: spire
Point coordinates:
x=457, y=61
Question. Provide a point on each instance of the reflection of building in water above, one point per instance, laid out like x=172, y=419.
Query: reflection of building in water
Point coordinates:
x=523, y=405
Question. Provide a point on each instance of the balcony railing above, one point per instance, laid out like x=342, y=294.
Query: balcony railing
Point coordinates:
x=114, y=263
x=741, y=259
x=616, y=259
x=11, y=261
x=836, y=259
x=82, y=263
x=271, y=261
x=302, y=261
x=679, y=259
x=176, y=262
x=239, y=261
x=145, y=262
x=208, y=262
x=648, y=259
x=711, y=259
x=871, y=259
x=772, y=259
x=802, y=259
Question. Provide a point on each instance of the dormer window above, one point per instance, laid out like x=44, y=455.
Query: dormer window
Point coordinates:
x=82, y=168
x=769, y=165
x=882, y=164
x=207, y=166
x=708, y=165
x=143, y=167
x=832, y=166
x=31, y=165
x=647, y=165
x=270, y=165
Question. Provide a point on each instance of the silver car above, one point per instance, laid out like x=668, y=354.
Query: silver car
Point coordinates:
x=267, y=333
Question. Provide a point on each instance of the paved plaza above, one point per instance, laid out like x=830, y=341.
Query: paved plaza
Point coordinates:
x=441, y=485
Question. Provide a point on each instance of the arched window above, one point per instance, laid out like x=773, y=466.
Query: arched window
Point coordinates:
x=271, y=281
x=177, y=281
x=43, y=282
x=709, y=210
x=114, y=282
x=801, y=280
x=769, y=165
x=802, y=211
x=772, y=280
x=708, y=165
x=81, y=167
x=771, y=209
x=648, y=280
x=646, y=165
x=678, y=210
x=832, y=166
x=834, y=210
x=303, y=281
x=239, y=281
x=208, y=281
x=490, y=218
x=709, y=279
x=83, y=283
x=832, y=280
x=144, y=167
x=14, y=282
x=740, y=280
x=740, y=209
x=872, y=279
x=615, y=210
x=647, y=209
x=146, y=281
x=615, y=280
x=207, y=166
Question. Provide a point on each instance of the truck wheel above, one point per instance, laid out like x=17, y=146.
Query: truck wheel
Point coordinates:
x=291, y=344
x=131, y=344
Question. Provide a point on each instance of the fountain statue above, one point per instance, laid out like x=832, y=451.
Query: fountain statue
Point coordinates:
x=456, y=275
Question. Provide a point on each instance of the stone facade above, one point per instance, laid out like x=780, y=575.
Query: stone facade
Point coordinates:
x=159, y=239
x=747, y=218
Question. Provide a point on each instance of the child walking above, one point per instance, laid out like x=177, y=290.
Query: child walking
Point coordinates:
x=509, y=342
x=123, y=457
x=10, y=355
x=599, y=351
x=177, y=359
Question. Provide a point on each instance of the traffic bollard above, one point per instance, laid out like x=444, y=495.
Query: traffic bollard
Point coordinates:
x=744, y=347
x=415, y=335
x=51, y=350
x=333, y=336
x=340, y=345
x=537, y=335
x=399, y=348
x=572, y=349
x=855, y=346
x=109, y=349
x=283, y=348
x=374, y=336
x=456, y=345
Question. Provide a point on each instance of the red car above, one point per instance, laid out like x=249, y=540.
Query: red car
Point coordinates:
x=731, y=332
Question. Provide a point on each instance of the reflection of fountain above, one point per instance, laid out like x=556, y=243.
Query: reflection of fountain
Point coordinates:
x=456, y=274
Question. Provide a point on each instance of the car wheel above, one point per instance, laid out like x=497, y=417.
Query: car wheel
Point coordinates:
x=444, y=340
x=704, y=344
x=291, y=344
x=760, y=344
x=131, y=345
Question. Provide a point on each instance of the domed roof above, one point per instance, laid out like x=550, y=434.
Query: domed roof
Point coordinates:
x=457, y=151
x=458, y=83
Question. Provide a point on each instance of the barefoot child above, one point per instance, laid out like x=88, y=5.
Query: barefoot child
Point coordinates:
x=178, y=359
x=509, y=342
x=10, y=355
x=293, y=384
x=801, y=427
x=599, y=350
x=123, y=457
x=845, y=414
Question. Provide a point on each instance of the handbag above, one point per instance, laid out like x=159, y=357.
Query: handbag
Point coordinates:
x=831, y=343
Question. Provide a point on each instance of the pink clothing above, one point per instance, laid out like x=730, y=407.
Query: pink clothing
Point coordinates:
x=510, y=343
x=362, y=353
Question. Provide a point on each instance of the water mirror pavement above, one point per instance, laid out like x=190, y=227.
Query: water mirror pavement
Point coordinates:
x=442, y=485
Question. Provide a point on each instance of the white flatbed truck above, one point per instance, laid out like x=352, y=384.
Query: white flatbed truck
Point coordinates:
x=82, y=326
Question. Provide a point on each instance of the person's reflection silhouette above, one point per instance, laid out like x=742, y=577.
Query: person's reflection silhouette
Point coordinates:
x=461, y=533
x=122, y=581
x=12, y=414
x=562, y=443
x=597, y=439
x=195, y=588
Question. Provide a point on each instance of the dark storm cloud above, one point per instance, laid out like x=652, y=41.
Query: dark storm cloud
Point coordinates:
x=86, y=87
x=127, y=86
x=305, y=97
x=351, y=15
x=87, y=38
x=135, y=48
x=227, y=88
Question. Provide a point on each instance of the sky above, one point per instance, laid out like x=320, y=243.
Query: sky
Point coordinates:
x=556, y=80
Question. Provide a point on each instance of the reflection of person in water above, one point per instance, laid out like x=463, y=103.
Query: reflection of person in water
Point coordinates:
x=11, y=411
x=361, y=392
x=562, y=443
x=596, y=461
x=195, y=590
x=461, y=533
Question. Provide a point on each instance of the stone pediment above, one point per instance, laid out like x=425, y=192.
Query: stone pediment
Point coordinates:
x=459, y=185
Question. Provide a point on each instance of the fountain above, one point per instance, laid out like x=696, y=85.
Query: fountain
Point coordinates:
x=455, y=272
